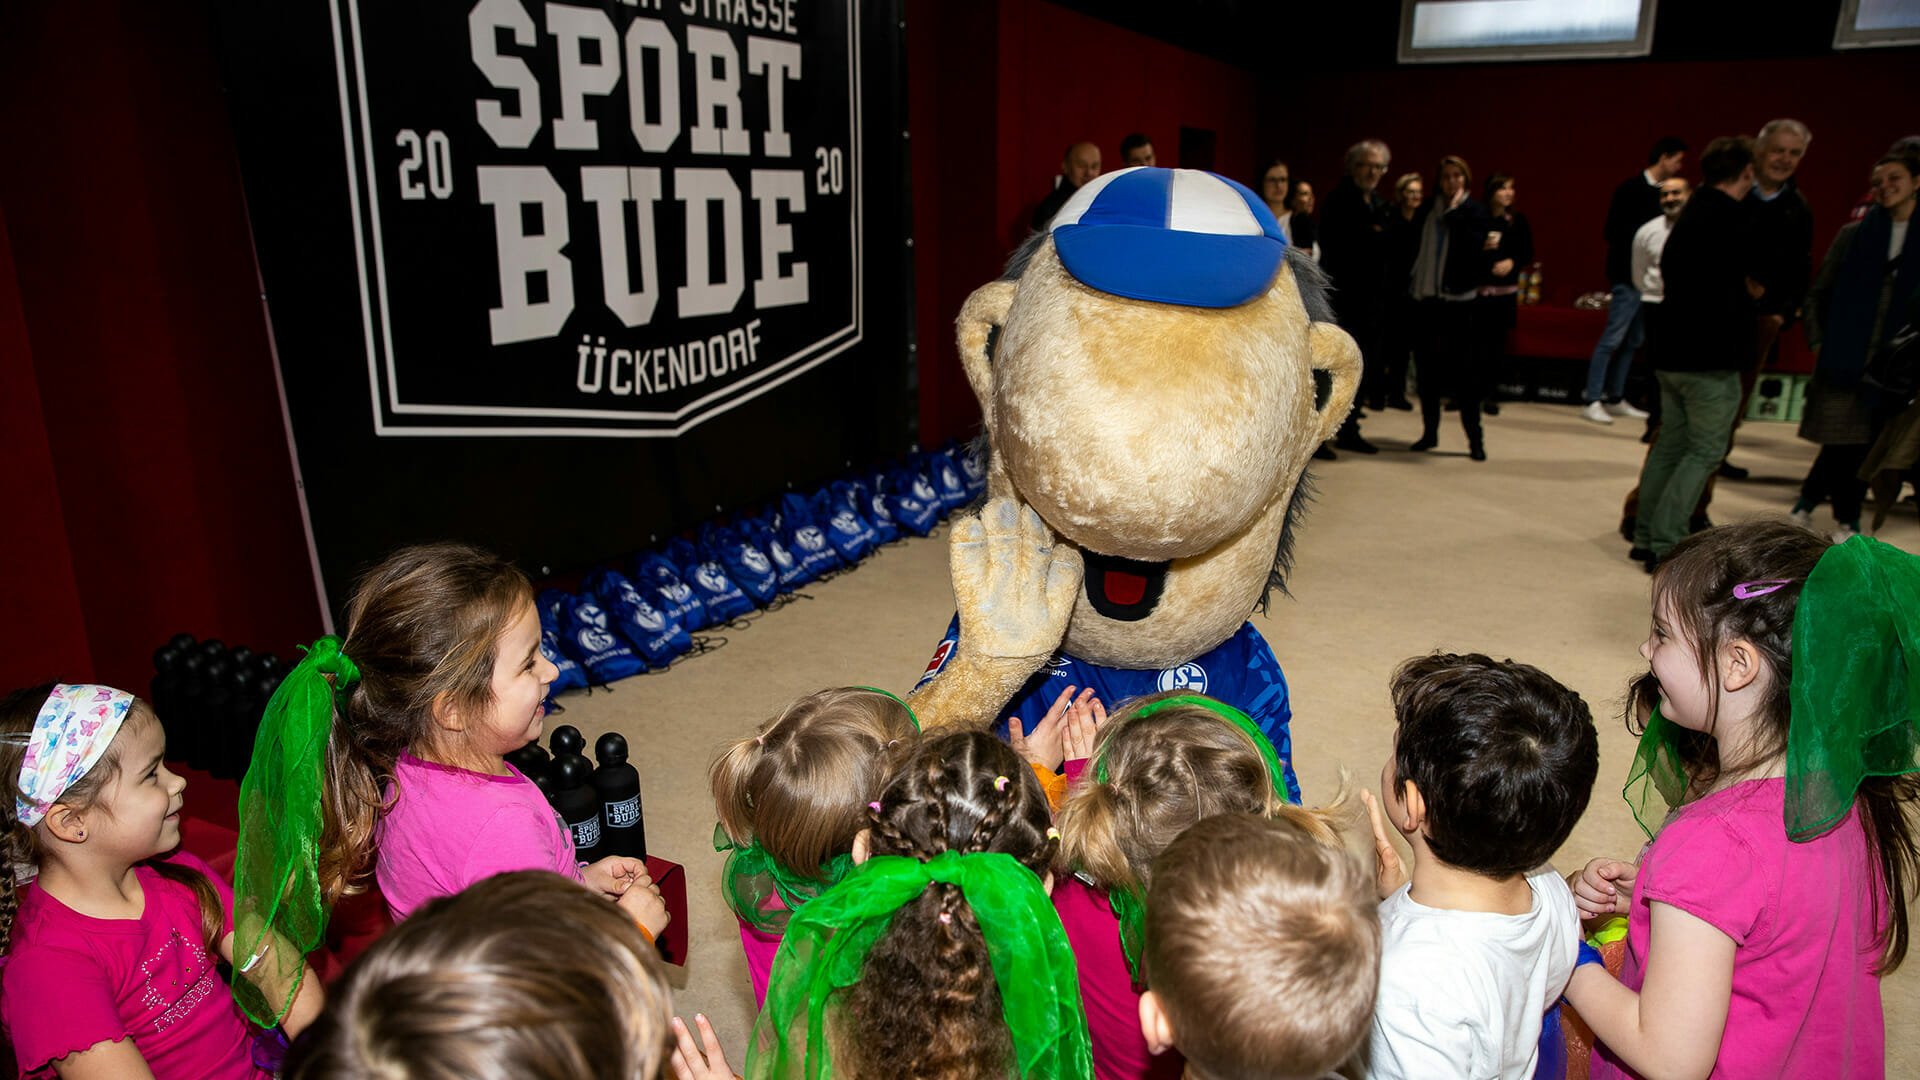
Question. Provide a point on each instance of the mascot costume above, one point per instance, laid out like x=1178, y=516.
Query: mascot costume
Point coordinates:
x=1154, y=372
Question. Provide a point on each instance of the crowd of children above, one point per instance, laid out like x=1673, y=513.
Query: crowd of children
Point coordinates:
x=1116, y=896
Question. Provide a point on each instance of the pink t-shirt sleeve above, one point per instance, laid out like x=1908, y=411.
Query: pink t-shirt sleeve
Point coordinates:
x=87, y=1012
x=516, y=838
x=1709, y=872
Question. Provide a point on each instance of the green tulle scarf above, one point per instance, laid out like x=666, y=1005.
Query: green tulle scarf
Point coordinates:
x=279, y=915
x=752, y=877
x=827, y=943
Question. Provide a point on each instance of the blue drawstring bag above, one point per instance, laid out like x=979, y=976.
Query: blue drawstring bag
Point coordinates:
x=786, y=568
x=665, y=584
x=847, y=531
x=723, y=599
x=806, y=537
x=972, y=466
x=750, y=567
x=588, y=628
x=645, y=626
x=872, y=510
x=548, y=604
x=911, y=498
x=947, y=485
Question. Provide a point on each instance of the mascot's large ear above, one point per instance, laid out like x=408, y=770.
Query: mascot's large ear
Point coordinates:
x=978, y=329
x=1336, y=366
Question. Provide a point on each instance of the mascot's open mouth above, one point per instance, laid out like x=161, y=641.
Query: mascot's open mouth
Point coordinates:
x=1123, y=589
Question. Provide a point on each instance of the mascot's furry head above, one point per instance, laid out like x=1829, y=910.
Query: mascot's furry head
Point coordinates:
x=1154, y=373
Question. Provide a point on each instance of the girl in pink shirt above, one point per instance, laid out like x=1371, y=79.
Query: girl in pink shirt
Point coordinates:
x=1166, y=762
x=1779, y=729
x=110, y=942
x=792, y=796
x=441, y=676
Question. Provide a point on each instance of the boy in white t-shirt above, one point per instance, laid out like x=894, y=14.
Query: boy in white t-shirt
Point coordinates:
x=1493, y=763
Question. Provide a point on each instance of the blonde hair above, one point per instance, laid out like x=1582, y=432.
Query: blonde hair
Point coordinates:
x=1164, y=772
x=1240, y=903
x=422, y=627
x=800, y=784
x=524, y=975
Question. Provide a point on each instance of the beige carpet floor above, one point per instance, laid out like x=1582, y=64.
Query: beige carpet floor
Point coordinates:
x=1402, y=553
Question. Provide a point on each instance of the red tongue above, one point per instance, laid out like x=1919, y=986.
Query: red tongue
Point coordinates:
x=1123, y=588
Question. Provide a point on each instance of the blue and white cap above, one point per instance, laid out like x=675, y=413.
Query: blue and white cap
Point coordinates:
x=1170, y=236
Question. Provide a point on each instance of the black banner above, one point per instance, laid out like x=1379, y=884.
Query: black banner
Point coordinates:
x=623, y=264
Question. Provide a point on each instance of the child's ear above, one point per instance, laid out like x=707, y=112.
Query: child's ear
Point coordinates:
x=1740, y=664
x=446, y=715
x=1416, y=806
x=66, y=823
x=862, y=846
x=1154, y=1025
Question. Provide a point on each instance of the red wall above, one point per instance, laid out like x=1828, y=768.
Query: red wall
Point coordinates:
x=997, y=91
x=136, y=323
x=1571, y=132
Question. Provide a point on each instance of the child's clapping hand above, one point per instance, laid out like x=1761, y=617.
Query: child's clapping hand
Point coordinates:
x=1390, y=871
x=1082, y=732
x=1603, y=888
x=704, y=1061
x=642, y=901
x=1045, y=746
x=613, y=875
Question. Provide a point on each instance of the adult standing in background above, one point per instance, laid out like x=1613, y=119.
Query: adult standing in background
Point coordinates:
x=1448, y=270
x=1783, y=248
x=1509, y=250
x=1137, y=150
x=1078, y=166
x=1867, y=285
x=1403, y=243
x=1303, y=229
x=1353, y=252
x=1706, y=341
x=1276, y=190
x=1635, y=202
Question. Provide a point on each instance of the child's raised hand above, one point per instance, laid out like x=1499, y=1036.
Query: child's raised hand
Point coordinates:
x=613, y=875
x=1084, y=721
x=706, y=1061
x=1044, y=745
x=1604, y=887
x=643, y=902
x=1390, y=871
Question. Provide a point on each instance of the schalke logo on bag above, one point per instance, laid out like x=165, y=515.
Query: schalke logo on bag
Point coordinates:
x=593, y=635
x=712, y=578
x=809, y=538
x=751, y=557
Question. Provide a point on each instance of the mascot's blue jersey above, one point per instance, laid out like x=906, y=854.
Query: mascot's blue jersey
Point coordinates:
x=1241, y=672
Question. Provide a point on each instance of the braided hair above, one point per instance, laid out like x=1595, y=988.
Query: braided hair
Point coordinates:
x=926, y=1004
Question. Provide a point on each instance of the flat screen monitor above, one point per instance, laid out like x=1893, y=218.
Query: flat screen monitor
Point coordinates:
x=1475, y=31
x=1871, y=24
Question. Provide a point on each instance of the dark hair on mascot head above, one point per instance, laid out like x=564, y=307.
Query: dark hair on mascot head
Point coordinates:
x=1313, y=285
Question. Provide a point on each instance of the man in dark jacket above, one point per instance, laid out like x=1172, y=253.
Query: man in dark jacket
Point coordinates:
x=1783, y=245
x=1078, y=166
x=1706, y=340
x=1635, y=202
x=1353, y=252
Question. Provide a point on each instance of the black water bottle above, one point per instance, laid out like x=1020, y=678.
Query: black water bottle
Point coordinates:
x=622, y=832
x=579, y=808
x=163, y=693
x=566, y=739
x=532, y=761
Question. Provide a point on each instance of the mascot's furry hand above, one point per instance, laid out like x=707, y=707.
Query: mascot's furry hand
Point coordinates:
x=1015, y=586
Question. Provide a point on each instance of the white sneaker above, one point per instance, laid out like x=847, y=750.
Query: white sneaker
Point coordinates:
x=1843, y=534
x=1802, y=518
x=1621, y=408
x=1596, y=412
